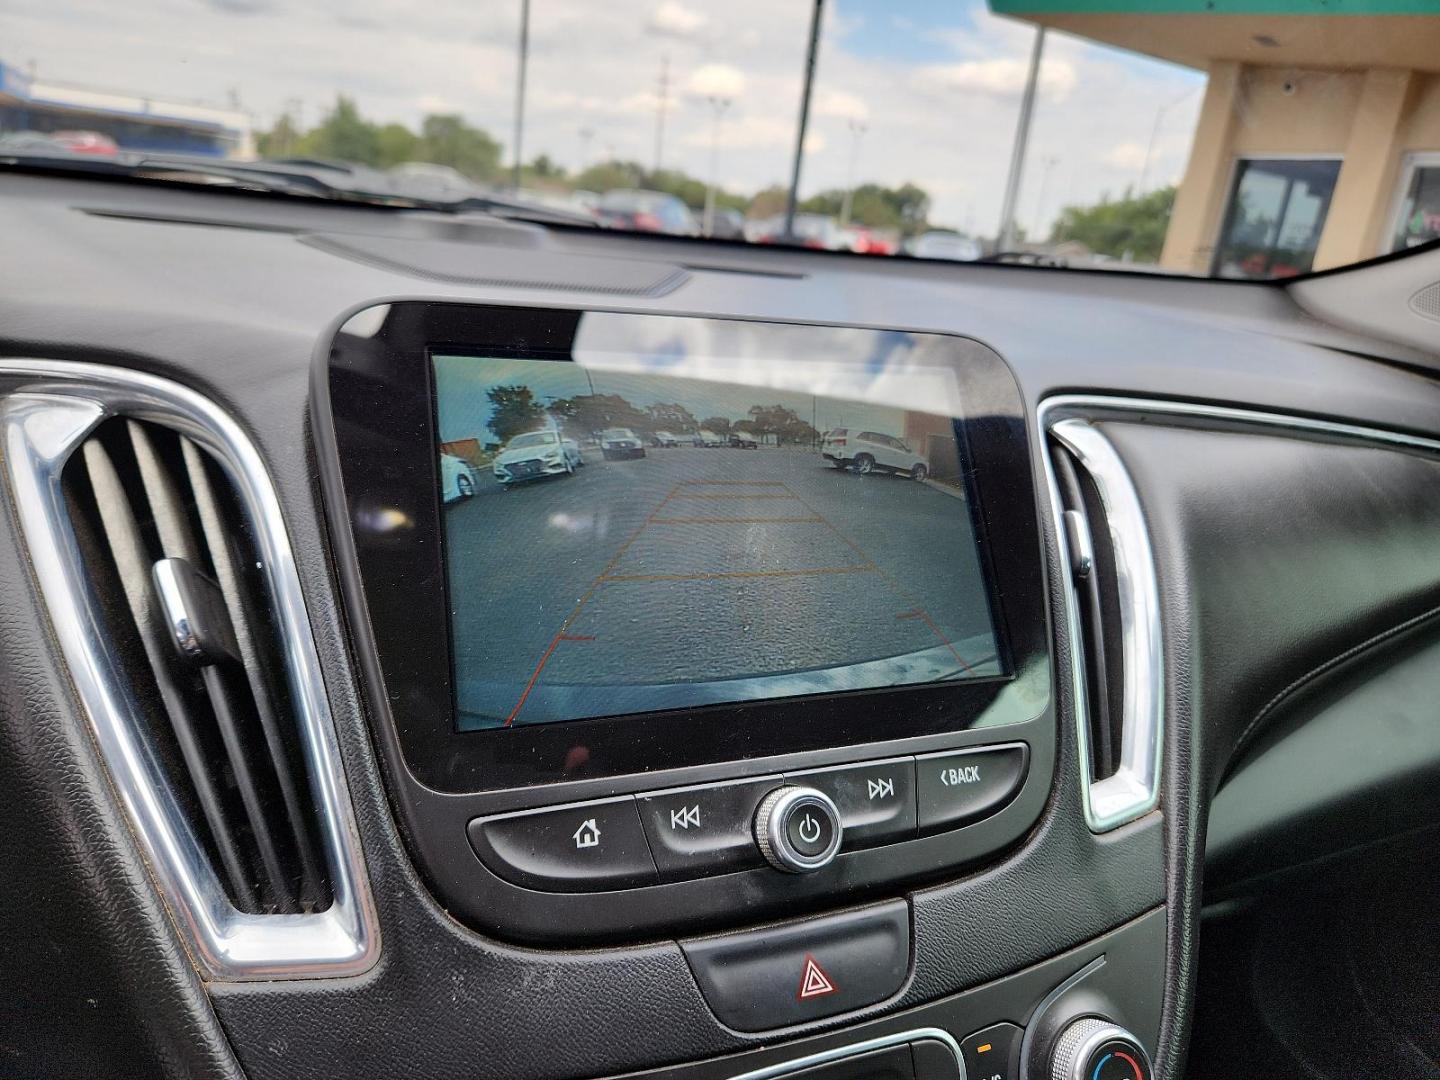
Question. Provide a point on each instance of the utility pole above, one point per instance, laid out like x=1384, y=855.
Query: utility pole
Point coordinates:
x=1050, y=163
x=662, y=106
x=586, y=134
x=791, y=199
x=520, y=91
x=1160, y=112
x=718, y=105
x=857, y=130
x=1005, y=239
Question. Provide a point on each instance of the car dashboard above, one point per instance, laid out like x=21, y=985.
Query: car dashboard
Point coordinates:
x=343, y=737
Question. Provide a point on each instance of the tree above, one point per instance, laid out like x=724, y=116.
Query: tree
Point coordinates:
x=1133, y=226
x=785, y=424
x=449, y=140
x=343, y=135
x=513, y=411
x=718, y=424
x=395, y=145
x=589, y=414
x=768, y=202
x=674, y=418
x=281, y=141
x=905, y=208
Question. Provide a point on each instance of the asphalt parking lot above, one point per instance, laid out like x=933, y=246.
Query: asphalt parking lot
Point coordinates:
x=693, y=575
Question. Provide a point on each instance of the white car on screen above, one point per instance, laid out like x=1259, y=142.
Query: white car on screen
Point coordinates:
x=708, y=438
x=457, y=478
x=866, y=452
x=620, y=442
x=536, y=454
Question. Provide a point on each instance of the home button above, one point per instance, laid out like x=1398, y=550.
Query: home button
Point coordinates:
x=579, y=848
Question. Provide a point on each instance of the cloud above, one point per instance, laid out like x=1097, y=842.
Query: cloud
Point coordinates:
x=1000, y=77
x=596, y=67
x=716, y=80
x=1125, y=155
x=675, y=20
x=840, y=105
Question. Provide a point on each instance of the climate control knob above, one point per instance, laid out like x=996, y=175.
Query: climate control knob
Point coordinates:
x=797, y=829
x=1097, y=1049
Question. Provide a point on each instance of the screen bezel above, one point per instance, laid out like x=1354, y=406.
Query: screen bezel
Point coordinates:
x=381, y=407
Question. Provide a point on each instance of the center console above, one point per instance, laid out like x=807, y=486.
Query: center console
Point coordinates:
x=674, y=624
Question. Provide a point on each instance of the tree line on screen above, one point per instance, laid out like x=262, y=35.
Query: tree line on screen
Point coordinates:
x=1132, y=225
x=514, y=410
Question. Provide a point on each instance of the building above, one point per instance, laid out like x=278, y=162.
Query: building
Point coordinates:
x=1318, y=142
x=135, y=123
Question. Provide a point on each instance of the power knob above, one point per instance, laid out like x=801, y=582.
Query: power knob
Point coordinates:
x=797, y=829
x=1097, y=1049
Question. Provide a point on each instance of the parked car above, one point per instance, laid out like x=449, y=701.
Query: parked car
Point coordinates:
x=817, y=231
x=742, y=439
x=664, y=438
x=457, y=478
x=708, y=439
x=536, y=454
x=620, y=442
x=728, y=225
x=868, y=451
x=943, y=244
x=646, y=211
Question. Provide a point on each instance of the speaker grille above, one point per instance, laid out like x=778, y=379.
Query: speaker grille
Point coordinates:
x=1426, y=302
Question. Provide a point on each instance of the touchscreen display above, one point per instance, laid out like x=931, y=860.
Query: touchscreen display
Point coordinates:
x=631, y=532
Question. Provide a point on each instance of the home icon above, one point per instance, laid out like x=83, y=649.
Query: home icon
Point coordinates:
x=588, y=834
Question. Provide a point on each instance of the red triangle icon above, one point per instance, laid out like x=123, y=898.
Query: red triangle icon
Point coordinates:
x=814, y=983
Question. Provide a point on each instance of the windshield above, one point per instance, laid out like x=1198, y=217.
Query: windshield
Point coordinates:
x=1156, y=135
x=534, y=438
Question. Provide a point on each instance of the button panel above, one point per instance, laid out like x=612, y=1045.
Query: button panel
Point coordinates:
x=707, y=829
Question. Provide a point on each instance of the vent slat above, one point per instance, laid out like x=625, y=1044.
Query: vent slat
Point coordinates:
x=122, y=534
x=1095, y=590
x=242, y=618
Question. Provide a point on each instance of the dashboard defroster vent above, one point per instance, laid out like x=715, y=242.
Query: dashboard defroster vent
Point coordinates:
x=1113, y=622
x=160, y=552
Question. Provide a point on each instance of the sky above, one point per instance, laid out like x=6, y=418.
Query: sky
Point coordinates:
x=925, y=91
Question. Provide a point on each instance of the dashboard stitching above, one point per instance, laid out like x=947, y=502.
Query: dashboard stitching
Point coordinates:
x=1320, y=669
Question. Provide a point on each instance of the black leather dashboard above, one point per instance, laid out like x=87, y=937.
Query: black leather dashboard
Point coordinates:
x=1281, y=559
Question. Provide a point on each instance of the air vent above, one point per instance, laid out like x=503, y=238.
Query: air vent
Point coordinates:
x=160, y=553
x=176, y=572
x=1113, y=622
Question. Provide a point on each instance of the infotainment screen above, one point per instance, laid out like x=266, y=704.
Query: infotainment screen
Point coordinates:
x=631, y=530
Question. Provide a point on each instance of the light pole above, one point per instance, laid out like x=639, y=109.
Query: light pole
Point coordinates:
x=1155, y=131
x=718, y=105
x=1049, y=163
x=1005, y=239
x=524, y=59
x=662, y=106
x=586, y=134
x=857, y=131
x=793, y=196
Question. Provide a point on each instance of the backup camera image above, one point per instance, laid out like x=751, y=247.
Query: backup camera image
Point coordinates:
x=623, y=541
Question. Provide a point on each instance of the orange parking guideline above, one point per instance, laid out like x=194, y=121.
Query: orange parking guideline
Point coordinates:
x=562, y=633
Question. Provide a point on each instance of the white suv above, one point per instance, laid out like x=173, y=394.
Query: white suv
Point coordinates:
x=869, y=451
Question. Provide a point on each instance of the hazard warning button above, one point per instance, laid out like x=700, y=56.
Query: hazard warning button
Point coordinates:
x=788, y=975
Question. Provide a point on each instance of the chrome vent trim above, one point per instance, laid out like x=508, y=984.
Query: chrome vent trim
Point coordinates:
x=48, y=410
x=1133, y=789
